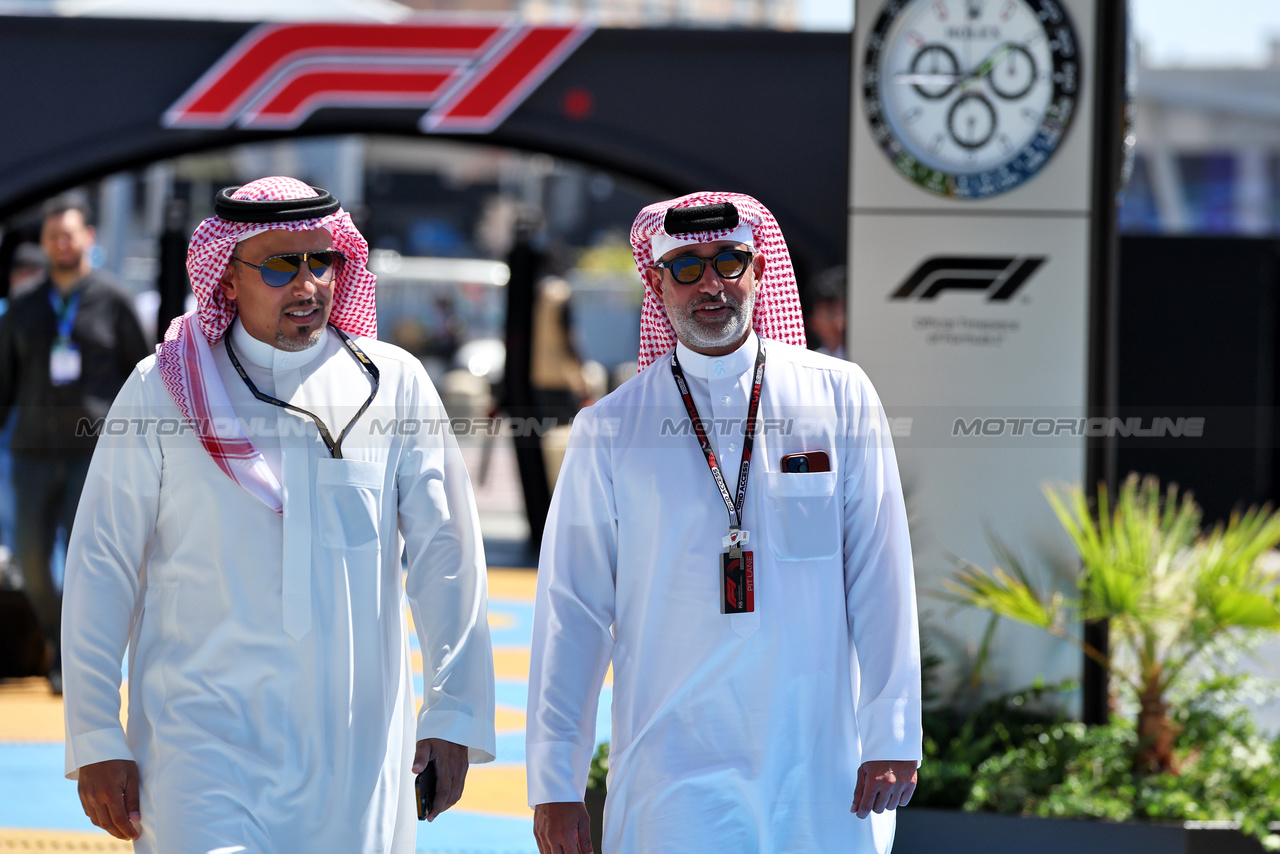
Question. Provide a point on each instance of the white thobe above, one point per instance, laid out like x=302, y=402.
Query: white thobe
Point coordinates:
x=271, y=702
x=738, y=732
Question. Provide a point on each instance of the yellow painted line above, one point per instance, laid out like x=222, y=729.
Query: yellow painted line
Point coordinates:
x=511, y=662
x=30, y=714
x=496, y=790
x=501, y=620
x=507, y=719
x=512, y=583
x=60, y=840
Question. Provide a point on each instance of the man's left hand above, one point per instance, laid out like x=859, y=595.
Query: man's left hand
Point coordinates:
x=883, y=785
x=451, y=771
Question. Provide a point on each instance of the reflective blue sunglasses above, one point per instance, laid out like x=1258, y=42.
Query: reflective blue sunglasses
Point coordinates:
x=279, y=270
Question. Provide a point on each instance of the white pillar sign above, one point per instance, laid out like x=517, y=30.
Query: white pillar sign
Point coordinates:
x=970, y=241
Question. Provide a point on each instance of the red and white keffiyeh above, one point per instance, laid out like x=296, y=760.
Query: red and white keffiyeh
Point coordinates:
x=185, y=357
x=188, y=370
x=215, y=239
x=777, y=313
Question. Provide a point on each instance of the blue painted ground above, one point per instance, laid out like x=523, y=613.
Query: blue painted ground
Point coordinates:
x=34, y=793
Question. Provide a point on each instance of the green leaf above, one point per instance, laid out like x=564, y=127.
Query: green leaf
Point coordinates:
x=1172, y=594
x=1002, y=594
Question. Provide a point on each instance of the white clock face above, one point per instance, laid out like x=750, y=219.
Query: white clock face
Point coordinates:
x=970, y=98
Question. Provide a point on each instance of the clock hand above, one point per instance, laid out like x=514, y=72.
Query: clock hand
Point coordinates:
x=934, y=65
x=963, y=80
x=986, y=65
x=928, y=79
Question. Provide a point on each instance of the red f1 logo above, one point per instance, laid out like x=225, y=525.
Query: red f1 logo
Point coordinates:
x=470, y=75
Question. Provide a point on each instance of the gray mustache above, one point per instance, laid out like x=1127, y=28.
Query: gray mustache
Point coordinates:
x=721, y=300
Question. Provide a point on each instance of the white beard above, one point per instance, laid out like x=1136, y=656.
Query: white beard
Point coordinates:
x=697, y=335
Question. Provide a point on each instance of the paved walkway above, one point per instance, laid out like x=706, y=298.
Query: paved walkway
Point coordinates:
x=39, y=809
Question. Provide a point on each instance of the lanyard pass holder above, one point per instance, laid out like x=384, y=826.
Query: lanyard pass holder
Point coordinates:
x=737, y=575
x=737, y=567
x=64, y=362
x=64, y=355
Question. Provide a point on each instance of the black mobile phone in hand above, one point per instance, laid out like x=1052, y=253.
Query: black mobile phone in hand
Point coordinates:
x=425, y=789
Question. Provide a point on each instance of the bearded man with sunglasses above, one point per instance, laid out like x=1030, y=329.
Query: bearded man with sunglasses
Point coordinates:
x=240, y=532
x=728, y=530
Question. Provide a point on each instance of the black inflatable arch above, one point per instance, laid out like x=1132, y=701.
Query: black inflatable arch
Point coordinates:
x=764, y=113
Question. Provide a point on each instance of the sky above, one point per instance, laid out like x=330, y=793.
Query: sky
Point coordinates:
x=1171, y=32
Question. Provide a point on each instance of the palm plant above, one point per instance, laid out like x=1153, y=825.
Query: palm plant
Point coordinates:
x=1172, y=594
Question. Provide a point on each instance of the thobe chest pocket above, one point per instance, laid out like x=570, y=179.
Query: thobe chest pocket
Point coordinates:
x=805, y=524
x=349, y=503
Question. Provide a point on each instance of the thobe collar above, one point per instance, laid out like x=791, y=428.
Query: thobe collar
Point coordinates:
x=733, y=364
x=268, y=356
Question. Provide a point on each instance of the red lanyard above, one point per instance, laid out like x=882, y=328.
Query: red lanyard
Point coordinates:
x=748, y=441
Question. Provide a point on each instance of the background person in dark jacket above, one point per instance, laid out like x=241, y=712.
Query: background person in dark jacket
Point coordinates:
x=66, y=348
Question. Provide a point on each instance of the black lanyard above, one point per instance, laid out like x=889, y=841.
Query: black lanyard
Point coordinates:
x=748, y=441
x=335, y=448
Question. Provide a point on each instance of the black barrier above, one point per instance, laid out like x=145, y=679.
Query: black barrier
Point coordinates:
x=1199, y=328
x=22, y=649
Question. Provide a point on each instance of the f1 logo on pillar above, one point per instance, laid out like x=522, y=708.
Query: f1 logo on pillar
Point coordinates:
x=470, y=76
x=1000, y=278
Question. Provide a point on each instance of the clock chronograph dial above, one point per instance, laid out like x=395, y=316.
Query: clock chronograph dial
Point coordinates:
x=934, y=71
x=1013, y=76
x=970, y=98
x=971, y=121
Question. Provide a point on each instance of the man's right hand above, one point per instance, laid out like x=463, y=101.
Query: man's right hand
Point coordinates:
x=109, y=795
x=562, y=828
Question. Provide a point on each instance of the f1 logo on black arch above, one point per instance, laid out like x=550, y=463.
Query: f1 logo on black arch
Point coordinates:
x=999, y=277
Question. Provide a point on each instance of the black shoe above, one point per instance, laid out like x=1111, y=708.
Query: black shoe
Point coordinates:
x=55, y=682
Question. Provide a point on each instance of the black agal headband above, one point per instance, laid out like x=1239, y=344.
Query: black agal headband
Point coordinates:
x=721, y=217
x=284, y=210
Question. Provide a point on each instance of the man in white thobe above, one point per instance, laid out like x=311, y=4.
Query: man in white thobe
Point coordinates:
x=761, y=624
x=243, y=524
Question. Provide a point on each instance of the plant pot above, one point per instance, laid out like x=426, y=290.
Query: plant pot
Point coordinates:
x=927, y=831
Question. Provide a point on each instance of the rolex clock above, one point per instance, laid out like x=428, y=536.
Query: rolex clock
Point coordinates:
x=970, y=98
